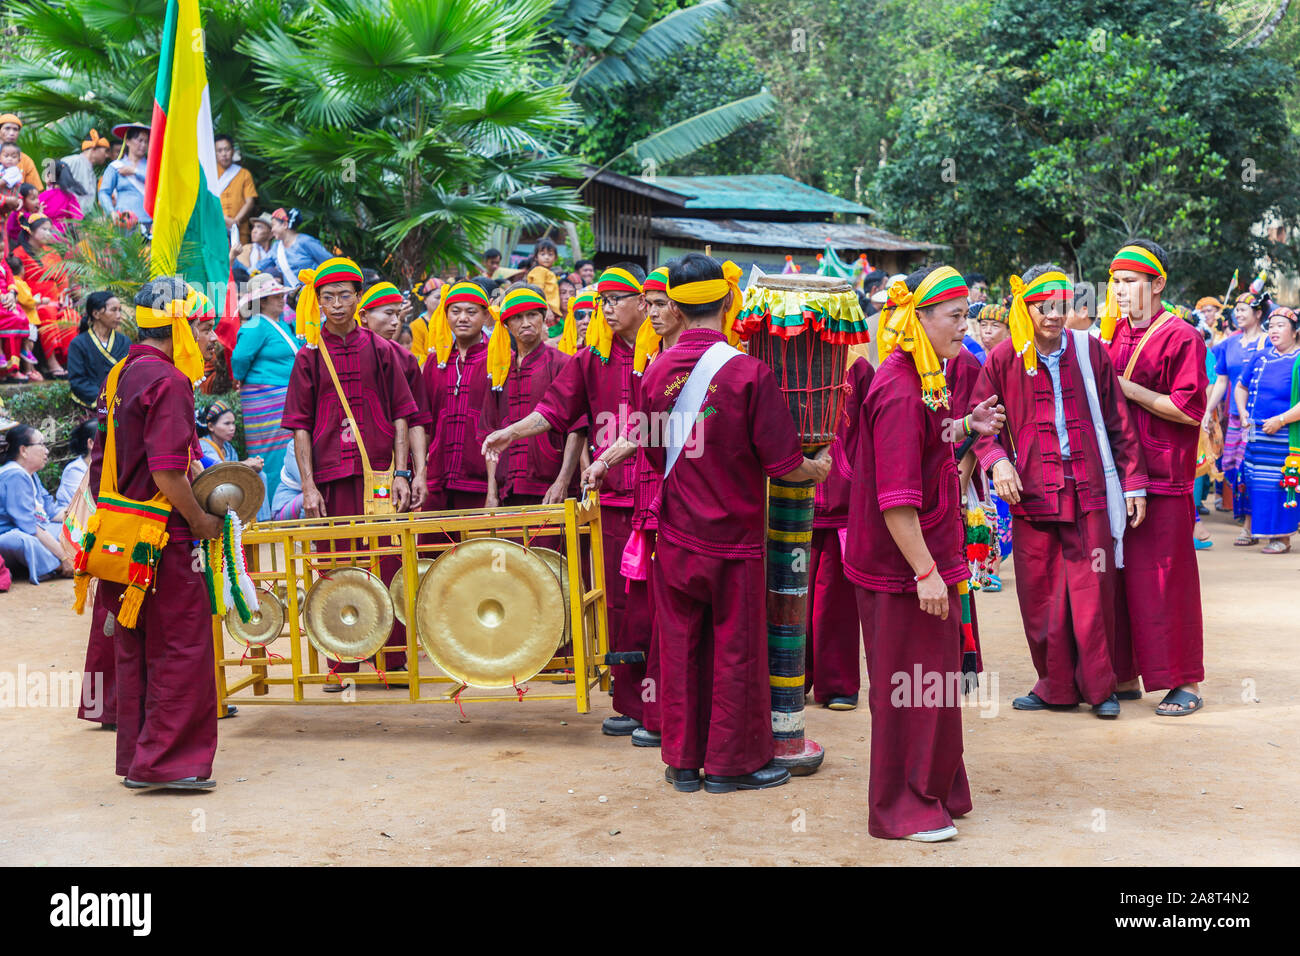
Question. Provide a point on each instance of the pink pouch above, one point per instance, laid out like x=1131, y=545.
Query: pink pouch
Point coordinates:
x=844, y=540
x=635, y=565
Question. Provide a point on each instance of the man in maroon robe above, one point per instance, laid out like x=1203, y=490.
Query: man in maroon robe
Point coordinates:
x=709, y=581
x=380, y=311
x=540, y=469
x=99, y=682
x=1161, y=362
x=1053, y=477
x=666, y=326
x=372, y=379
x=906, y=555
x=598, y=384
x=166, y=693
x=458, y=386
x=832, y=668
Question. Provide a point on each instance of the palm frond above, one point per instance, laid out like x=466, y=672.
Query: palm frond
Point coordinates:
x=659, y=41
x=682, y=139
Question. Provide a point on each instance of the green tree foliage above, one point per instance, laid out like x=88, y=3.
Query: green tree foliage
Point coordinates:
x=402, y=126
x=963, y=166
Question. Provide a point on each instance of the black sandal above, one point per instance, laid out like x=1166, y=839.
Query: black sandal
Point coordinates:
x=1182, y=698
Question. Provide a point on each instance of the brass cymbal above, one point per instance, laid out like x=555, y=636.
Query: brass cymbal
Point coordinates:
x=559, y=566
x=263, y=627
x=489, y=613
x=349, y=614
x=227, y=485
x=397, y=586
x=282, y=593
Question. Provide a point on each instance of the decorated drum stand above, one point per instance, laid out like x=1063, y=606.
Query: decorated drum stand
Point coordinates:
x=801, y=326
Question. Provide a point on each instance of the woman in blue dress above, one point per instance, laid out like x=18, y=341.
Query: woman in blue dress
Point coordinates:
x=1231, y=356
x=30, y=521
x=1268, y=400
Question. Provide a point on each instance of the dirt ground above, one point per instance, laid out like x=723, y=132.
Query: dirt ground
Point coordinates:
x=538, y=783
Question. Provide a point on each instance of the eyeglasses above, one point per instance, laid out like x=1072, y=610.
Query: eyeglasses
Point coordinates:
x=338, y=298
x=610, y=301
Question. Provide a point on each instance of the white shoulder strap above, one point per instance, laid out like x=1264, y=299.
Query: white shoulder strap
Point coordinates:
x=686, y=410
x=1116, y=508
x=288, y=339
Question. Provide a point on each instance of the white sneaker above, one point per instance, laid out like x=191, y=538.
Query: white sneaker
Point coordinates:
x=933, y=836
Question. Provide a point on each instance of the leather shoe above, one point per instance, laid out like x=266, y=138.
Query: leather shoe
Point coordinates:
x=843, y=703
x=184, y=783
x=645, y=738
x=619, y=726
x=684, y=781
x=760, y=779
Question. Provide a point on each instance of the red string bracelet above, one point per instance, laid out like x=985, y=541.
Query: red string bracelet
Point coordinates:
x=922, y=577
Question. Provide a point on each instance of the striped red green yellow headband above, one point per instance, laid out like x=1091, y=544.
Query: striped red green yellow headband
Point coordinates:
x=519, y=301
x=380, y=294
x=617, y=280
x=338, y=269
x=942, y=284
x=584, y=301
x=656, y=281
x=1049, y=285
x=465, y=292
x=1137, y=259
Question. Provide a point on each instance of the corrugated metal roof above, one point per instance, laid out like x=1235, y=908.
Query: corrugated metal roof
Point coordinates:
x=785, y=235
x=774, y=193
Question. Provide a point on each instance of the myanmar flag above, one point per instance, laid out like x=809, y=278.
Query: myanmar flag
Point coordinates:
x=189, y=228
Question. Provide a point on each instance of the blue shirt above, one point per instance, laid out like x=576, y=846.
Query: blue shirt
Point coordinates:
x=973, y=346
x=129, y=191
x=305, y=253
x=1267, y=375
x=1232, y=354
x=73, y=472
x=264, y=351
x=21, y=495
x=1053, y=363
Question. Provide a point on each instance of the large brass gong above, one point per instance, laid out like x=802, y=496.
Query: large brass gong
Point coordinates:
x=349, y=614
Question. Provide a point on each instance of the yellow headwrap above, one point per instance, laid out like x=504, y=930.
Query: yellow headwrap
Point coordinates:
x=568, y=343
x=307, y=312
x=647, y=344
x=713, y=290
x=1133, y=259
x=185, y=348
x=903, y=329
x=443, y=339
x=599, y=334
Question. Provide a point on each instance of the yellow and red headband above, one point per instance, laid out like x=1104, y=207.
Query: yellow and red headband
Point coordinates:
x=378, y=295
x=308, y=317
x=521, y=300
x=714, y=290
x=178, y=314
x=1128, y=259
x=611, y=282
x=443, y=339
x=648, y=341
x=584, y=301
x=656, y=281
x=903, y=328
x=1049, y=285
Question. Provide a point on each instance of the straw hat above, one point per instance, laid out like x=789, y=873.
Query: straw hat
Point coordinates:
x=260, y=286
x=121, y=129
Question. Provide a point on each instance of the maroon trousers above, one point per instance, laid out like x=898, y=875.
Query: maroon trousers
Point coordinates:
x=1065, y=583
x=641, y=608
x=832, y=665
x=347, y=497
x=464, y=500
x=917, y=778
x=625, y=633
x=99, y=681
x=1158, y=630
x=715, y=702
x=166, y=683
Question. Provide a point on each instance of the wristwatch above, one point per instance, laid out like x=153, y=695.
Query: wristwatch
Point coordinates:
x=404, y=473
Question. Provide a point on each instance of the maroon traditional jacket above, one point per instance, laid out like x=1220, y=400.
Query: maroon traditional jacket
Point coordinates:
x=458, y=393
x=1029, y=439
x=528, y=467
x=903, y=459
x=376, y=389
x=606, y=394
x=154, y=429
x=1173, y=364
x=713, y=501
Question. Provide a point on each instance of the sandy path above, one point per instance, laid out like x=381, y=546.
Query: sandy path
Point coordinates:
x=523, y=783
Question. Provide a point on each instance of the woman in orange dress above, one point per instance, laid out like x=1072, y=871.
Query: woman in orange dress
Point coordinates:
x=45, y=273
